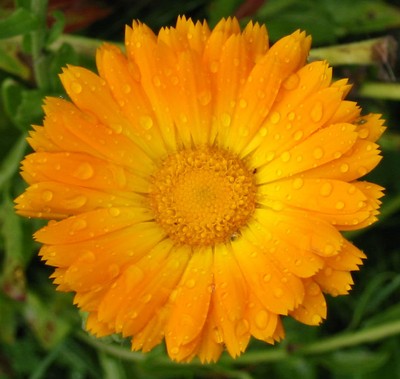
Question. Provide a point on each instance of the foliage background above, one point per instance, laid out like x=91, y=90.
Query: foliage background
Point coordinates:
x=41, y=333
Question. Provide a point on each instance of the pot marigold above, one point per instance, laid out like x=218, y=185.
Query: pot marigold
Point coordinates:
x=197, y=187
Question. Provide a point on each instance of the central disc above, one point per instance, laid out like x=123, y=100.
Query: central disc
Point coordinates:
x=203, y=196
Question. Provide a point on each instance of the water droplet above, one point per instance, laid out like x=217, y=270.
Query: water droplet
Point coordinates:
x=362, y=171
x=84, y=171
x=267, y=278
x=316, y=319
x=114, y=212
x=329, y=249
x=278, y=292
x=291, y=82
x=146, y=298
x=126, y=89
x=226, y=119
x=275, y=117
x=174, y=350
x=117, y=128
x=352, y=189
x=113, y=270
x=298, y=135
x=270, y=156
x=76, y=87
x=263, y=132
x=285, y=156
x=157, y=81
x=339, y=205
x=313, y=289
x=75, y=202
x=291, y=116
x=298, y=262
x=214, y=67
x=78, y=224
x=146, y=122
x=261, y=319
x=363, y=133
x=298, y=183
x=190, y=283
x=204, y=97
x=47, y=195
x=318, y=153
x=243, y=103
x=316, y=112
x=344, y=168
x=326, y=189
x=242, y=327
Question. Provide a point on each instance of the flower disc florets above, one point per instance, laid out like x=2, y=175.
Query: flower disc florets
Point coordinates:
x=202, y=196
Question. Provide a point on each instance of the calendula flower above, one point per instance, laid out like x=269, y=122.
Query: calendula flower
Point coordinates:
x=197, y=187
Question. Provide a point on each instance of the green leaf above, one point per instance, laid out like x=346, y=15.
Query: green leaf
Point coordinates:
x=42, y=315
x=10, y=62
x=22, y=106
x=57, y=28
x=21, y=21
x=9, y=166
x=355, y=361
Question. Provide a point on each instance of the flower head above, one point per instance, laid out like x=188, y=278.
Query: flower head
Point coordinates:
x=197, y=186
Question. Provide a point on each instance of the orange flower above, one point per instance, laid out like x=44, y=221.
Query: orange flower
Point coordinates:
x=197, y=187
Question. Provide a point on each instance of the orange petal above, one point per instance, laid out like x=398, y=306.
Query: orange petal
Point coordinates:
x=190, y=303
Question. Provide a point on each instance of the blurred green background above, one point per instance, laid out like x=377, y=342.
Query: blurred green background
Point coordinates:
x=41, y=333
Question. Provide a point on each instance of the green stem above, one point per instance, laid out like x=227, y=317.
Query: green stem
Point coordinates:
x=344, y=340
x=39, y=8
x=357, y=338
x=387, y=91
x=368, y=52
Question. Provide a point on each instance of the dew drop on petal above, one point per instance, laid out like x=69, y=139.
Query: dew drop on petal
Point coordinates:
x=344, y=168
x=298, y=183
x=275, y=117
x=204, y=97
x=146, y=122
x=126, y=89
x=146, y=298
x=291, y=116
x=113, y=270
x=267, y=278
x=84, y=171
x=76, y=87
x=313, y=289
x=114, y=212
x=190, y=283
x=316, y=319
x=326, y=189
x=243, y=103
x=261, y=319
x=316, y=112
x=156, y=81
x=78, y=225
x=75, y=202
x=298, y=135
x=226, y=119
x=263, y=132
x=278, y=292
x=291, y=82
x=318, y=153
x=339, y=205
x=285, y=156
x=47, y=195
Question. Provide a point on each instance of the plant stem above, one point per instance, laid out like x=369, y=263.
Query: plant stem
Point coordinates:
x=344, y=340
x=39, y=8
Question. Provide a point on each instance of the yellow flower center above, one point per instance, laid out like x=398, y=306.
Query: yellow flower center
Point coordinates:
x=202, y=196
